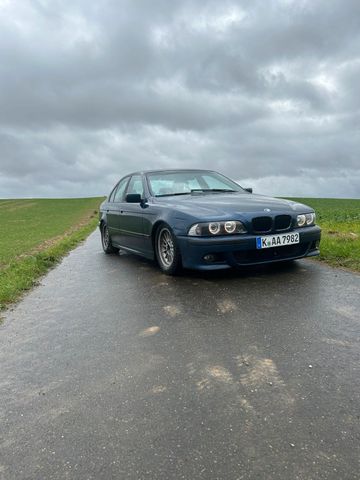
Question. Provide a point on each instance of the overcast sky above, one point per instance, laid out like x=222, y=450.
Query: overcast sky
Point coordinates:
x=266, y=92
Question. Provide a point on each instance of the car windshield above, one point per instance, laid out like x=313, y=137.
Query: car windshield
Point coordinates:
x=189, y=182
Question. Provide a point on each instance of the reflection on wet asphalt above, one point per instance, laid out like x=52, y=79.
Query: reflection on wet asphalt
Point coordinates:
x=110, y=369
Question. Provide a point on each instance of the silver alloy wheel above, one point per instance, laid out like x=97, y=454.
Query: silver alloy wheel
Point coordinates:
x=105, y=237
x=166, y=247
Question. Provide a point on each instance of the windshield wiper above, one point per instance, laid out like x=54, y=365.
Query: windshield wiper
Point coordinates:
x=172, y=194
x=195, y=190
x=212, y=190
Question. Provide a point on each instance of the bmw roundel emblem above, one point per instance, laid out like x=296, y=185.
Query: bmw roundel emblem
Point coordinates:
x=267, y=210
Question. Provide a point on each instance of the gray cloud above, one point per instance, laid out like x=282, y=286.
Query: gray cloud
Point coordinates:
x=265, y=94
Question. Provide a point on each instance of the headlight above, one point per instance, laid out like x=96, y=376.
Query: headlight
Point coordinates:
x=229, y=227
x=310, y=218
x=214, y=228
x=306, y=219
x=301, y=220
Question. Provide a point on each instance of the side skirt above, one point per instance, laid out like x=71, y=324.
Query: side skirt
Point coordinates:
x=148, y=255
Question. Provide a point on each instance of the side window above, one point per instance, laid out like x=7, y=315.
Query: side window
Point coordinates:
x=112, y=195
x=136, y=185
x=119, y=193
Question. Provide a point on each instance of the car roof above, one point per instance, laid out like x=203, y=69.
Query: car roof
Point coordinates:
x=171, y=170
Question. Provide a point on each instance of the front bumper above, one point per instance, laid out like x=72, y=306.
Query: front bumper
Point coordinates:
x=240, y=250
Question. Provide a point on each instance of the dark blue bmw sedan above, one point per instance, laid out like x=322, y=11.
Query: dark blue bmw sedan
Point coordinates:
x=202, y=220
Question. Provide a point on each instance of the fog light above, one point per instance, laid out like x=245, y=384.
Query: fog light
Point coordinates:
x=209, y=258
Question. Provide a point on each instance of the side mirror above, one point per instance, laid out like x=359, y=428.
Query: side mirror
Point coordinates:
x=133, y=198
x=249, y=189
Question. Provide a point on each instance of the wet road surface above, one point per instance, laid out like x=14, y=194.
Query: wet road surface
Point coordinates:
x=111, y=370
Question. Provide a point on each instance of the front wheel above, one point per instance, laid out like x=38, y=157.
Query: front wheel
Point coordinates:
x=106, y=240
x=167, y=251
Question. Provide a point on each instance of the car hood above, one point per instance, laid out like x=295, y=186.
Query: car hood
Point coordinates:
x=223, y=204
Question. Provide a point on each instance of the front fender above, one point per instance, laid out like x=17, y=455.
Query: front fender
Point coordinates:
x=177, y=221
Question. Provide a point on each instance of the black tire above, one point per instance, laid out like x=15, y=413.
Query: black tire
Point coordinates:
x=167, y=251
x=106, y=240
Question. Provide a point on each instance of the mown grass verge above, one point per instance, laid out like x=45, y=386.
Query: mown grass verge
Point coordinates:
x=340, y=223
x=21, y=272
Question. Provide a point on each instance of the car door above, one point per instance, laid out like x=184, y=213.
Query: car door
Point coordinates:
x=114, y=211
x=132, y=216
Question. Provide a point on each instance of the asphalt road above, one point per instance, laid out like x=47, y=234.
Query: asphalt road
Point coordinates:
x=111, y=370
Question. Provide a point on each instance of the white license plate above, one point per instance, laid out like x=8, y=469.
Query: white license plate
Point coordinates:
x=277, y=240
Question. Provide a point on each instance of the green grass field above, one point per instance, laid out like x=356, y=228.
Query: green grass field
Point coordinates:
x=35, y=234
x=340, y=223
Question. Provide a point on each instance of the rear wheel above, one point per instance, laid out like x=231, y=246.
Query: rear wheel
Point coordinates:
x=106, y=240
x=167, y=251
